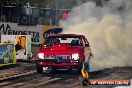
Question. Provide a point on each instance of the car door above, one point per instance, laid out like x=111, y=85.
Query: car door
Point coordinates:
x=87, y=49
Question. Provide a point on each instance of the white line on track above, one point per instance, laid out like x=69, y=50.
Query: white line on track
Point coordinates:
x=17, y=75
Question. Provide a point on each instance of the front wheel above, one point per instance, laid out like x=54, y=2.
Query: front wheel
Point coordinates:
x=84, y=82
x=39, y=69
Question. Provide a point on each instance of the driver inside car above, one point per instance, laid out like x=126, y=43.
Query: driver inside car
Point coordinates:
x=56, y=41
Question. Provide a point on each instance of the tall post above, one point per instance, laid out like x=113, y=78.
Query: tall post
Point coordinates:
x=57, y=11
x=1, y=13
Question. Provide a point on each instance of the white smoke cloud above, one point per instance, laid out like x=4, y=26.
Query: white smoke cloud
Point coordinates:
x=108, y=29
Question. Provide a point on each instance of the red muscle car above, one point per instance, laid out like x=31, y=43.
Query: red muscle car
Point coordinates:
x=62, y=50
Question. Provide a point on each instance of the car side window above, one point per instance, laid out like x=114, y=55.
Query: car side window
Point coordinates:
x=83, y=42
x=80, y=42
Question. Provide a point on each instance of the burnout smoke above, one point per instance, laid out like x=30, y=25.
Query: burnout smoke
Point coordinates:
x=108, y=29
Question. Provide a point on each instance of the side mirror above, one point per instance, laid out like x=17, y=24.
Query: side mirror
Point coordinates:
x=86, y=45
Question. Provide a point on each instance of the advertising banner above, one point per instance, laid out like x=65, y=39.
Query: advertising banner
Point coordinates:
x=49, y=29
x=22, y=45
x=36, y=32
x=7, y=54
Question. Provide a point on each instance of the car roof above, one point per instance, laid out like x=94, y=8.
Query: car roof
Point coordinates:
x=53, y=35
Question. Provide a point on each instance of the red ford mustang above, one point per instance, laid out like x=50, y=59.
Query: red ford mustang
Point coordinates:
x=63, y=50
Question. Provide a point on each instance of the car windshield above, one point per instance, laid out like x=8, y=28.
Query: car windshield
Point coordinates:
x=72, y=40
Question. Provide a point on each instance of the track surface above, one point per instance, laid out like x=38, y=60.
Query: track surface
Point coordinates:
x=60, y=78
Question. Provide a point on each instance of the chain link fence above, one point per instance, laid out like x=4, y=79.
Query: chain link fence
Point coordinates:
x=31, y=15
x=50, y=14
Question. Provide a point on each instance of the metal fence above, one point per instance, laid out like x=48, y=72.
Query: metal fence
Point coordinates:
x=30, y=15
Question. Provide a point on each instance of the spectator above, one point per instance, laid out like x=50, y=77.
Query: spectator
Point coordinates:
x=65, y=15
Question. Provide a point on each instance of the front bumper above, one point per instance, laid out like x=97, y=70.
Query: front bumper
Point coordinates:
x=57, y=62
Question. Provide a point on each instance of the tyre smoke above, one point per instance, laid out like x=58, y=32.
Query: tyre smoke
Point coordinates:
x=107, y=28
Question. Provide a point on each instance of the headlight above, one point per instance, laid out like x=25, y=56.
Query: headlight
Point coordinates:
x=41, y=55
x=75, y=56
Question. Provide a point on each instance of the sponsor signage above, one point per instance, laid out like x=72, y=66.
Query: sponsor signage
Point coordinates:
x=36, y=32
x=7, y=54
x=22, y=45
x=48, y=29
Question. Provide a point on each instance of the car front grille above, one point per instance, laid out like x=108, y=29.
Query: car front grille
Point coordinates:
x=57, y=56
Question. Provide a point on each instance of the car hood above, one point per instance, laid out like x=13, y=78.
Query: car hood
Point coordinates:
x=60, y=48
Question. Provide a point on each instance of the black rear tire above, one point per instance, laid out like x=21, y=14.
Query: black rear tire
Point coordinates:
x=80, y=67
x=39, y=69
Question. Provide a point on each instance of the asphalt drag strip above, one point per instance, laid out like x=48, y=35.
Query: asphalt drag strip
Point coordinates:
x=66, y=79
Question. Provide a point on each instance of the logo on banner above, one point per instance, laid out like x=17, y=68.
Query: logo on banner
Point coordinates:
x=52, y=31
x=7, y=30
